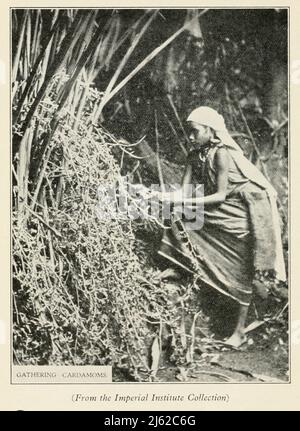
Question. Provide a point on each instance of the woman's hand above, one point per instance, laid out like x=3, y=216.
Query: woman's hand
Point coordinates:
x=175, y=197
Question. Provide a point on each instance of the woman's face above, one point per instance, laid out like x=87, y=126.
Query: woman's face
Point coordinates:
x=198, y=134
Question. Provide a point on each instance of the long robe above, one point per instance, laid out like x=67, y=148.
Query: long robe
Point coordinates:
x=236, y=239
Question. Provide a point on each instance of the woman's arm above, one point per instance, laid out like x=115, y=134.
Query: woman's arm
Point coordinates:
x=222, y=167
x=187, y=176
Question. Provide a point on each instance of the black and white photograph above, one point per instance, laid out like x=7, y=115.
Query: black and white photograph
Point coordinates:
x=150, y=192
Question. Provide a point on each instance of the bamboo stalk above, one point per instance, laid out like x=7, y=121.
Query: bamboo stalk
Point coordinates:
x=15, y=21
x=108, y=30
x=45, y=63
x=149, y=57
x=16, y=60
x=112, y=44
x=32, y=75
x=23, y=171
x=101, y=52
x=81, y=62
x=75, y=99
x=80, y=44
x=57, y=37
x=81, y=105
x=66, y=44
x=36, y=37
x=40, y=177
x=67, y=89
x=121, y=65
x=25, y=63
x=159, y=169
x=131, y=29
x=28, y=42
x=60, y=186
x=47, y=223
x=175, y=133
x=93, y=70
x=177, y=116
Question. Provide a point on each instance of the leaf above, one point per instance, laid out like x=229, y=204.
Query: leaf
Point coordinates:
x=254, y=325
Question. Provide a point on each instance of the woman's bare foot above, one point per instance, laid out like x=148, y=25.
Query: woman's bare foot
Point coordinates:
x=236, y=340
x=238, y=337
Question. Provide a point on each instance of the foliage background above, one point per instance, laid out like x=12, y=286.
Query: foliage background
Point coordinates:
x=99, y=94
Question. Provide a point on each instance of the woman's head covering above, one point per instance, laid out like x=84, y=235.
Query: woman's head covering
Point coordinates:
x=207, y=116
x=210, y=117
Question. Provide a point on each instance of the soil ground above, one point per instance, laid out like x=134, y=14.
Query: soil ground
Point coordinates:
x=264, y=358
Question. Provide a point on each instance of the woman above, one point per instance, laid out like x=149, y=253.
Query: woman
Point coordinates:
x=240, y=237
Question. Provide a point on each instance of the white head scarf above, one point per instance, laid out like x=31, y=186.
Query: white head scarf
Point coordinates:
x=207, y=116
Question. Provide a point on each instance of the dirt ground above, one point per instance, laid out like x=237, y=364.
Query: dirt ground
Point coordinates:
x=249, y=365
x=263, y=358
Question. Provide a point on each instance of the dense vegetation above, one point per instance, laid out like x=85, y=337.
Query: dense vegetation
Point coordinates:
x=100, y=94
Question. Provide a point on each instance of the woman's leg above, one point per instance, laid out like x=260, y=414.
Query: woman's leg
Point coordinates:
x=238, y=337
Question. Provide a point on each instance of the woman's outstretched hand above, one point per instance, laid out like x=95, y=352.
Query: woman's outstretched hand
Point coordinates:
x=174, y=197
